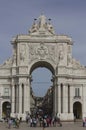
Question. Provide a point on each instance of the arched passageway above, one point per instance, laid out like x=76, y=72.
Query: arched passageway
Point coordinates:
x=41, y=81
x=6, y=109
x=77, y=110
x=42, y=85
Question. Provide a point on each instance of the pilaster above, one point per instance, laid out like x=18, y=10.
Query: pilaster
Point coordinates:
x=59, y=99
x=13, y=99
x=20, y=98
x=65, y=99
x=71, y=99
x=26, y=98
x=84, y=100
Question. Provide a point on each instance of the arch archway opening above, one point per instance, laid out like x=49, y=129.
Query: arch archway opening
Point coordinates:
x=77, y=110
x=41, y=81
x=6, y=109
x=42, y=86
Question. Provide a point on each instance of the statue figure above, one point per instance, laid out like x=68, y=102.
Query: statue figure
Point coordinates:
x=50, y=28
x=60, y=55
x=42, y=21
x=42, y=24
x=34, y=27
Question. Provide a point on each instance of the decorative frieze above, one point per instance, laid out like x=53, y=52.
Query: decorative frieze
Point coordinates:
x=42, y=52
x=22, y=52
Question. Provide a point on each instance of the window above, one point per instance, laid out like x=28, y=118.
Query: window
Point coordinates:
x=6, y=91
x=77, y=92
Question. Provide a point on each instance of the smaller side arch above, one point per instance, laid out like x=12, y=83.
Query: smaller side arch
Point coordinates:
x=77, y=110
x=6, y=109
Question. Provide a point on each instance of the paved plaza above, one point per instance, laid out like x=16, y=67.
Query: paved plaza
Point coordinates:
x=66, y=126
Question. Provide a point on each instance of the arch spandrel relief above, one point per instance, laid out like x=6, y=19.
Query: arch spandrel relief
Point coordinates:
x=14, y=55
x=69, y=56
x=41, y=52
x=52, y=53
x=22, y=53
x=61, y=52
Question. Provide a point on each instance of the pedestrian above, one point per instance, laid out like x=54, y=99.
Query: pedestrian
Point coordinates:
x=84, y=121
x=9, y=123
x=58, y=119
x=44, y=123
x=31, y=122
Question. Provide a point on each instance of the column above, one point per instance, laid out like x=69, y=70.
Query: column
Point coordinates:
x=68, y=98
x=64, y=99
x=71, y=102
x=13, y=99
x=84, y=100
x=25, y=98
x=71, y=99
x=54, y=100
x=20, y=98
x=17, y=98
x=0, y=107
x=59, y=99
x=28, y=96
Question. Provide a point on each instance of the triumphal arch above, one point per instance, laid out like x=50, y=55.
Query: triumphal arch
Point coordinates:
x=41, y=47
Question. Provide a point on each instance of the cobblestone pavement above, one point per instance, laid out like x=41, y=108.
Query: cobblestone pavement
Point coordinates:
x=65, y=126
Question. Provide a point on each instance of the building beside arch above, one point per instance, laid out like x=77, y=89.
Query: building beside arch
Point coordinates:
x=41, y=47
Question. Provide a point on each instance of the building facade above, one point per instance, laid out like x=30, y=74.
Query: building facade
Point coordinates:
x=41, y=47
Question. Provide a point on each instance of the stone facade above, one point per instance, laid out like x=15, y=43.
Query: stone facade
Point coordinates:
x=41, y=47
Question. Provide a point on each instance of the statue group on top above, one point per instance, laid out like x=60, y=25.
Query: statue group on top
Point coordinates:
x=42, y=24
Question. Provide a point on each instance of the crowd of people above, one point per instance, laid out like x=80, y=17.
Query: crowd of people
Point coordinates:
x=42, y=121
x=15, y=122
x=34, y=121
x=38, y=120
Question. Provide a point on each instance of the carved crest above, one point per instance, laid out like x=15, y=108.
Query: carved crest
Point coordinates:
x=42, y=51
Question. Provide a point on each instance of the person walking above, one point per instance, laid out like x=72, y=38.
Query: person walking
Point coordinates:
x=9, y=123
x=58, y=119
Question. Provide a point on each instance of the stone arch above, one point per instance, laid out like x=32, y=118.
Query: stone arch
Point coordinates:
x=51, y=69
x=42, y=64
x=77, y=110
x=6, y=109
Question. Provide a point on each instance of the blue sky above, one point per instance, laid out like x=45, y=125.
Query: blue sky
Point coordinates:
x=68, y=17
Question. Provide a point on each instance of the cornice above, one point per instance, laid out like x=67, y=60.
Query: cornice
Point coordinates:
x=45, y=38
x=70, y=76
x=20, y=75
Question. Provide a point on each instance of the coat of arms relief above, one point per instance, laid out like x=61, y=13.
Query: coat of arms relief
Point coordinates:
x=41, y=52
